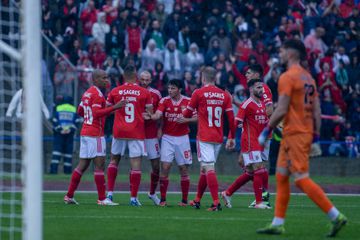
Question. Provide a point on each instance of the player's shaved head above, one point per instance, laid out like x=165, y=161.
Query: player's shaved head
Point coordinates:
x=209, y=74
x=100, y=78
x=130, y=73
x=145, y=74
x=98, y=73
x=145, y=79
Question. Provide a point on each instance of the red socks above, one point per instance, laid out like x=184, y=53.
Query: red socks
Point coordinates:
x=257, y=185
x=112, y=171
x=185, y=185
x=135, y=178
x=100, y=183
x=74, y=182
x=154, y=179
x=202, y=184
x=164, y=183
x=261, y=181
x=213, y=186
x=238, y=183
x=265, y=178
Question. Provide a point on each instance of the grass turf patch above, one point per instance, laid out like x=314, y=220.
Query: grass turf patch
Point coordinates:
x=89, y=221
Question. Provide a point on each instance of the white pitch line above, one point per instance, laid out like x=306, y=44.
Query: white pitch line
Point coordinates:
x=151, y=218
x=219, y=218
x=240, y=193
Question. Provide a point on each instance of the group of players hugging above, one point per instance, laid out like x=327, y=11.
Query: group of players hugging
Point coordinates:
x=142, y=117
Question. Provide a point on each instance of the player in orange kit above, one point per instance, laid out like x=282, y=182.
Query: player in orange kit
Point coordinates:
x=299, y=106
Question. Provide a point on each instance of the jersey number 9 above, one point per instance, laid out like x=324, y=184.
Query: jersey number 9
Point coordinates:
x=129, y=113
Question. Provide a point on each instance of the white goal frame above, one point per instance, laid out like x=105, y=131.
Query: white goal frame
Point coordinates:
x=32, y=146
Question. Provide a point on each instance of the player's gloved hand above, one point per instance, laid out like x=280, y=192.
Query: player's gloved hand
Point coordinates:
x=264, y=135
x=230, y=144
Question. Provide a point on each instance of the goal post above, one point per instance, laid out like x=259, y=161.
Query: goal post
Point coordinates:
x=32, y=121
x=21, y=153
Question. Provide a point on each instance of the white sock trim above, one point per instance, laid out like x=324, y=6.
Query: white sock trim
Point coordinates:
x=333, y=213
x=278, y=221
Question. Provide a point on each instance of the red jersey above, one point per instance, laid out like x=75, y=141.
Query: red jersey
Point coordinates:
x=151, y=126
x=171, y=111
x=91, y=99
x=129, y=122
x=254, y=118
x=211, y=102
x=267, y=96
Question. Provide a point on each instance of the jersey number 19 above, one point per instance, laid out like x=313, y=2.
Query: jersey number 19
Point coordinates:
x=214, y=116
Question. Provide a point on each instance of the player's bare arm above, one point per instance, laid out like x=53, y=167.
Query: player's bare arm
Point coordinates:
x=317, y=116
x=269, y=109
x=280, y=111
x=187, y=120
x=276, y=117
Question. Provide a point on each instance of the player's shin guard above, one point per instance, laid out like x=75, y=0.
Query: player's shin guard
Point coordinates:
x=315, y=193
x=258, y=185
x=185, y=184
x=282, y=195
x=164, y=183
x=112, y=171
x=135, y=179
x=74, y=182
x=100, y=183
x=154, y=180
x=213, y=186
x=202, y=184
x=238, y=183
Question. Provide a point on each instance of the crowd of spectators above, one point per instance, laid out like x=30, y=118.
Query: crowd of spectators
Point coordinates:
x=173, y=39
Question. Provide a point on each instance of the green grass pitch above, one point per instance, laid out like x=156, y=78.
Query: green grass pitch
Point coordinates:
x=88, y=221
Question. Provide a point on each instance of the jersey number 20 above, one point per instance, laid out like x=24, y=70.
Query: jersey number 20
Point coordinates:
x=88, y=116
x=214, y=116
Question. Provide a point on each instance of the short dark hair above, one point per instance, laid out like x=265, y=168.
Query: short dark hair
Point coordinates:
x=296, y=45
x=175, y=82
x=130, y=71
x=253, y=81
x=257, y=68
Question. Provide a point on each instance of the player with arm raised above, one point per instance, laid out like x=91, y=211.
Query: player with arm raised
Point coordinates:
x=151, y=137
x=92, y=141
x=175, y=142
x=299, y=106
x=252, y=118
x=129, y=131
x=211, y=103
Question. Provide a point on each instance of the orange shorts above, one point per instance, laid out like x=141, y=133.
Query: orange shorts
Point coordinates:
x=294, y=153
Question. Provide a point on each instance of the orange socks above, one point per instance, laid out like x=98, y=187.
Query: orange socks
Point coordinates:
x=282, y=195
x=315, y=193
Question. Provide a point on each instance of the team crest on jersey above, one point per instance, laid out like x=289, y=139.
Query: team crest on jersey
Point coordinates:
x=175, y=109
x=121, y=92
x=206, y=94
x=86, y=101
x=87, y=95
